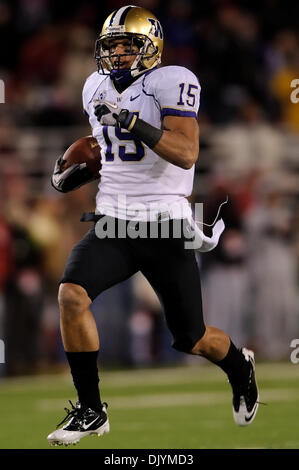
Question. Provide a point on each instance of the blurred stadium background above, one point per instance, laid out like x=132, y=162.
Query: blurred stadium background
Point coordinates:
x=246, y=55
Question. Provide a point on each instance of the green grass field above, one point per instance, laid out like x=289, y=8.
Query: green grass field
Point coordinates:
x=173, y=408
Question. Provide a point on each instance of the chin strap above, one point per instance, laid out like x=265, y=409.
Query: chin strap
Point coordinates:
x=125, y=76
x=121, y=77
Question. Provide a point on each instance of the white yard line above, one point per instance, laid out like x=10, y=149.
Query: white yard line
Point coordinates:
x=173, y=399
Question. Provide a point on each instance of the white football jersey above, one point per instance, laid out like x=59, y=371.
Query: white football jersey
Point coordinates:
x=132, y=175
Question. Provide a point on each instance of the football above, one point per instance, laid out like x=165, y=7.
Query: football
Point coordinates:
x=84, y=150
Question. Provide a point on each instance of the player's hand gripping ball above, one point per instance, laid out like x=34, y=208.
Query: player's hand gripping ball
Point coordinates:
x=84, y=150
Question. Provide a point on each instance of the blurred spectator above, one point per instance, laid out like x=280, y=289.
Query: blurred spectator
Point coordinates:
x=78, y=62
x=32, y=15
x=24, y=296
x=180, y=38
x=5, y=255
x=42, y=55
x=249, y=144
x=273, y=269
x=6, y=268
x=229, y=274
x=285, y=67
x=225, y=269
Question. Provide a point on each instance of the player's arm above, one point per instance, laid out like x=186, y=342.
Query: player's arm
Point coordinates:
x=71, y=178
x=179, y=142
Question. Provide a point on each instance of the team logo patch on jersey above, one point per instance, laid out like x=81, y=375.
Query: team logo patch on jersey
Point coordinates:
x=102, y=96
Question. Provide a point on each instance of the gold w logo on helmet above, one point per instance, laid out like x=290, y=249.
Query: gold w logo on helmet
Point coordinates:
x=156, y=28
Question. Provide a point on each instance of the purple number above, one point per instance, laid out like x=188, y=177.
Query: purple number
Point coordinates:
x=181, y=102
x=109, y=155
x=123, y=154
x=122, y=135
x=191, y=95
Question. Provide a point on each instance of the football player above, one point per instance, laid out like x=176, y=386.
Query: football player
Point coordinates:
x=144, y=118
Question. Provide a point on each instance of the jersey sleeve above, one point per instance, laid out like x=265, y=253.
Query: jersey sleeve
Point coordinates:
x=84, y=99
x=87, y=92
x=177, y=91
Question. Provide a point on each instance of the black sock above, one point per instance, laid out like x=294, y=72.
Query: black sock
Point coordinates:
x=84, y=371
x=234, y=364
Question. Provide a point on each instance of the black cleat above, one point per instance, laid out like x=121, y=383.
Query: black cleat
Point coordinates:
x=245, y=394
x=82, y=422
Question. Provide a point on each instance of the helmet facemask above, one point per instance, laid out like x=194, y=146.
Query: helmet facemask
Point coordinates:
x=145, y=57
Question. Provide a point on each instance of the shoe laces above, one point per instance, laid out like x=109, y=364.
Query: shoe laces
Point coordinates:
x=75, y=412
x=243, y=389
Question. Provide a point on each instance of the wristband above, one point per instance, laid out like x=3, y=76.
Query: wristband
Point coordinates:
x=147, y=133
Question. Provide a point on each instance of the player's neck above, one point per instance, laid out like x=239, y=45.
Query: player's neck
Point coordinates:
x=120, y=87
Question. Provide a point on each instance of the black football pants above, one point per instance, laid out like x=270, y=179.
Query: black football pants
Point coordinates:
x=97, y=264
